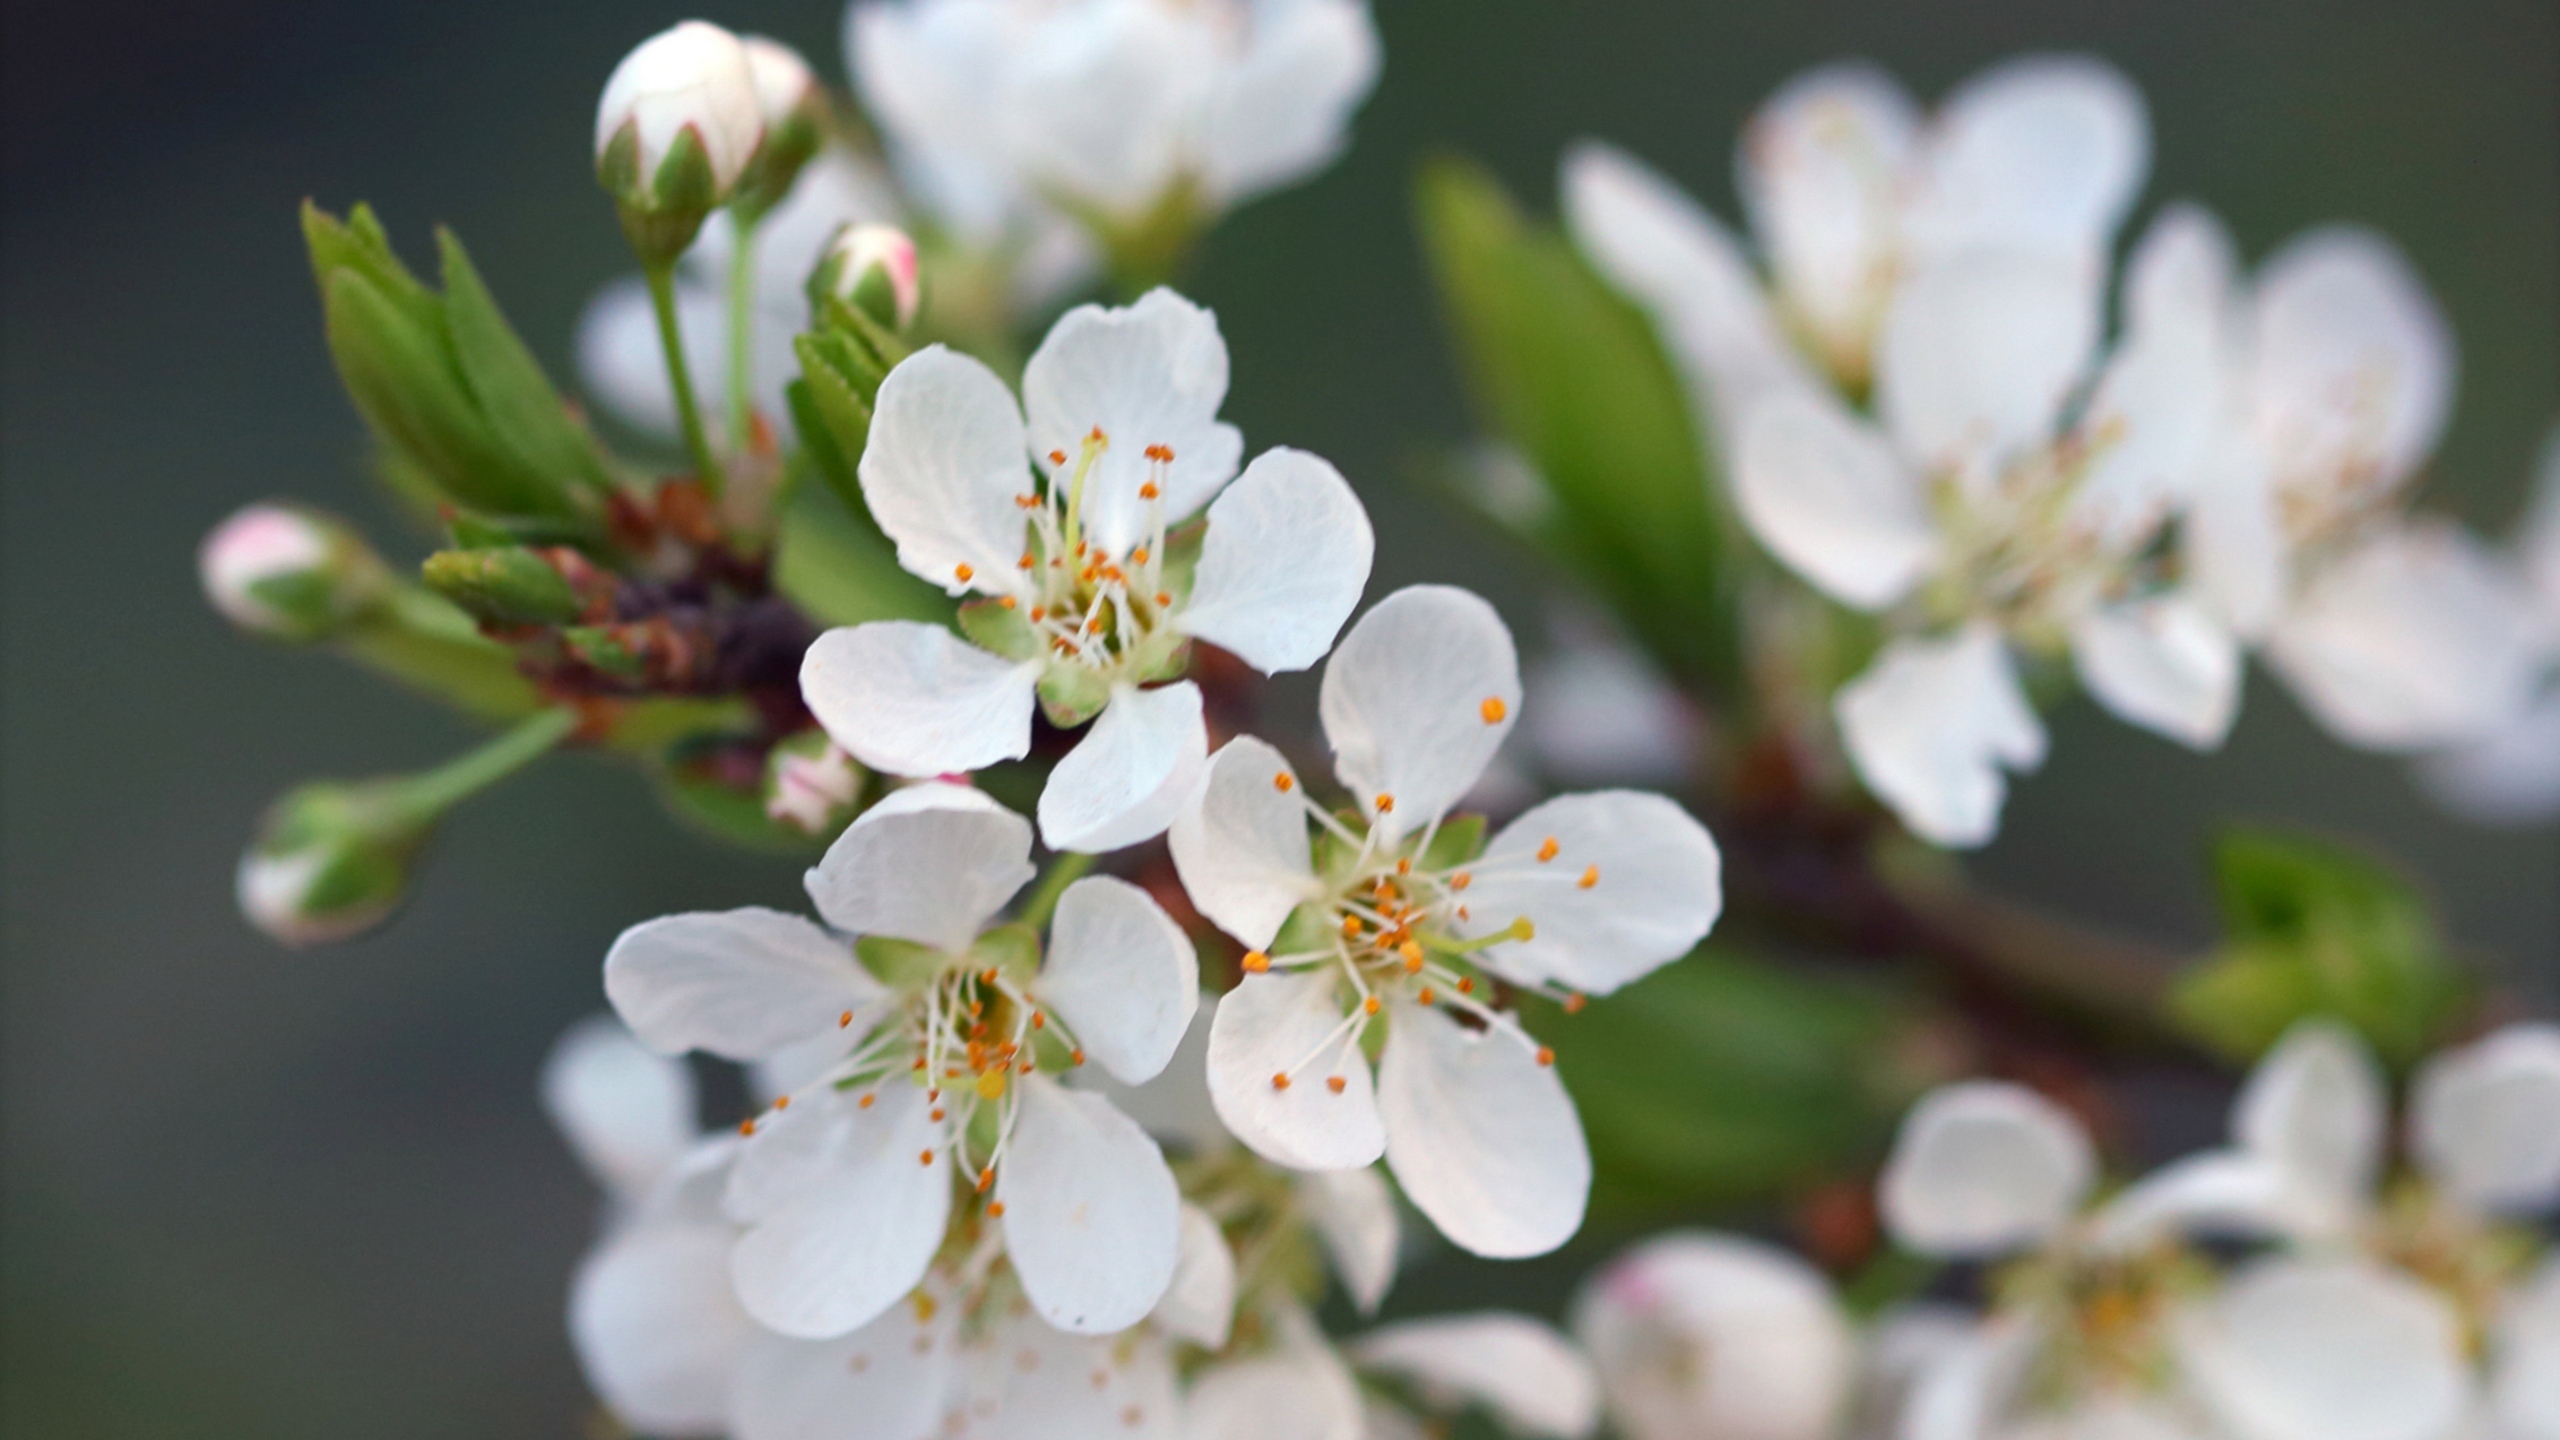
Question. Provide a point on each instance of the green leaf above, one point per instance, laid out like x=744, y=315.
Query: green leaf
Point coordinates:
x=835, y=564
x=525, y=415
x=2317, y=929
x=1574, y=379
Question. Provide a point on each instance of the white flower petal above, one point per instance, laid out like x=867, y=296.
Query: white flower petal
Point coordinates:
x=2316, y=1110
x=1241, y=845
x=1903, y=1347
x=1982, y=1168
x=1095, y=98
x=1415, y=701
x=1200, y=1304
x=1968, y=1390
x=1280, y=1022
x=2045, y=153
x=1532, y=1379
x=2327, y=1350
x=1670, y=256
x=942, y=467
x=2162, y=404
x=2485, y=1120
x=1820, y=171
x=2164, y=663
x=1828, y=496
x=2214, y=1193
x=2418, y=638
x=1092, y=1220
x=846, y=1207
x=1121, y=974
x=890, y=1380
x=1977, y=354
x=1131, y=774
x=657, y=1329
x=2236, y=542
x=1299, y=1392
x=1039, y=1384
x=629, y=1112
x=2352, y=365
x=740, y=984
x=1481, y=1137
x=1931, y=725
x=915, y=699
x=1174, y=1107
x=1150, y=374
x=1283, y=563
x=930, y=863
x=1633, y=882
x=2511, y=778
x=1704, y=1335
x=1281, y=113
x=2524, y=1387
x=1355, y=1215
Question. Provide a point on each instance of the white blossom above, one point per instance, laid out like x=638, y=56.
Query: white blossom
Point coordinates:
x=1533, y=1380
x=945, y=1079
x=1700, y=1336
x=695, y=80
x=1374, y=922
x=1090, y=594
x=2512, y=777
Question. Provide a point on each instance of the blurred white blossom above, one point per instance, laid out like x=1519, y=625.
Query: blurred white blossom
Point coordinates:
x=2513, y=776
x=1700, y=1336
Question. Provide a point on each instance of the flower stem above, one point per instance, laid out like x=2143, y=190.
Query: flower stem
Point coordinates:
x=742, y=320
x=434, y=791
x=662, y=298
x=1064, y=871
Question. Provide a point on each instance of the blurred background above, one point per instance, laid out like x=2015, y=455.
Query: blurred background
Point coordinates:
x=247, y=1192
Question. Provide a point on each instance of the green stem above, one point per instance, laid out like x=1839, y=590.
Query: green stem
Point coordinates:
x=421, y=640
x=662, y=298
x=432, y=792
x=1064, y=871
x=742, y=324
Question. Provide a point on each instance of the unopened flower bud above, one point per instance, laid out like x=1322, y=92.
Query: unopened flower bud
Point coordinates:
x=503, y=585
x=793, y=107
x=873, y=269
x=288, y=573
x=677, y=128
x=812, y=785
x=330, y=862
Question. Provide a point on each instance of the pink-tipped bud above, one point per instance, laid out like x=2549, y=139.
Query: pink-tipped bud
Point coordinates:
x=286, y=573
x=784, y=84
x=811, y=786
x=873, y=267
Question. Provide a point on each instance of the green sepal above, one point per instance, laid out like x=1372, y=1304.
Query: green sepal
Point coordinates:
x=879, y=341
x=736, y=816
x=598, y=646
x=311, y=604
x=1333, y=856
x=899, y=964
x=1001, y=627
x=1309, y=927
x=1182, y=558
x=505, y=585
x=1165, y=656
x=1459, y=839
x=1012, y=948
x=1071, y=694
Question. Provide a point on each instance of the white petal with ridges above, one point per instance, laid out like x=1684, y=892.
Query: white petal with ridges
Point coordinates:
x=1200, y=1304
x=1278, y=1023
x=629, y=1112
x=1415, y=701
x=1634, y=881
x=1827, y=495
x=1983, y=1168
x=930, y=863
x=1296, y=1392
x=2316, y=1110
x=1132, y=772
x=890, y=1380
x=915, y=699
x=1532, y=1379
x=1036, y=1383
x=2327, y=1350
x=1282, y=113
x=1092, y=1219
x=1283, y=563
x=942, y=467
x=1481, y=1137
x=1149, y=374
x=2164, y=663
x=2485, y=1121
x=1977, y=355
x=1241, y=845
x=2162, y=405
x=1121, y=974
x=1355, y=1215
x=844, y=1207
x=740, y=984
x=1702, y=1334
x=1930, y=727
x=1820, y=170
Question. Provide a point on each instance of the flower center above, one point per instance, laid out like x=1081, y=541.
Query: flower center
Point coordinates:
x=2026, y=553
x=2108, y=1332
x=1090, y=608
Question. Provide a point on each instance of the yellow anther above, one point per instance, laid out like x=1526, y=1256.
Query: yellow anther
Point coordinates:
x=986, y=1178
x=1522, y=929
x=1280, y=1082
x=1590, y=877
x=995, y=1210
x=1369, y=1006
x=1411, y=950
x=991, y=1085
x=925, y=1307
x=1493, y=709
x=1255, y=962
x=1547, y=849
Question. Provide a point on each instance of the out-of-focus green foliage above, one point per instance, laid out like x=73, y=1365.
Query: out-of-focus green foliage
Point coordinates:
x=2318, y=929
x=1571, y=376
x=1722, y=1080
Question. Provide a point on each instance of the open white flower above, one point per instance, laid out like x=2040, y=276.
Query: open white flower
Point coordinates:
x=1390, y=919
x=1700, y=1336
x=2014, y=496
x=949, y=1052
x=2513, y=776
x=1091, y=592
x=1851, y=193
x=1108, y=107
x=2396, y=634
x=620, y=358
x=653, y=1319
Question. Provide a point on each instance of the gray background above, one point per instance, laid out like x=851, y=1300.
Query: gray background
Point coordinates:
x=250, y=1192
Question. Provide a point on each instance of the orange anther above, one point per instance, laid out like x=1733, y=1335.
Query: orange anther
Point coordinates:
x=1255, y=962
x=918, y=1065
x=865, y=1103
x=747, y=1127
x=964, y=572
x=1148, y=491
x=936, y=1115
x=1350, y=927
x=1334, y=1083
x=1164, y=597
x=1024, y=563
x=1057, y=457
x=1547, y=849
x=1574, y=1002
x=987, y=976
x=1425, y=996
x=1038, y=1020
x=1590, y=877
x=1097, y=437
x=844, y=1019
x=924, y=1157
x=782, y=1102
x=1493, y=709
x=1280, y=1082
x=1411, y=950
x=986, y=1178
x=1075, y=1057
x=1136, y=557
x=1369, y=1006
x=1386, y=803
x=1546, y=1056
x=1461, y=880
x=1007, y=602
x=1029, y=502
x=1466, y=984
x=1404, y=865
x=1284, y=782
x=995, y=1210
